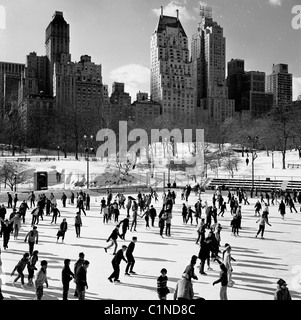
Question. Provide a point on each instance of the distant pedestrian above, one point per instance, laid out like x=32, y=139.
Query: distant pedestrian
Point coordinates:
x=5, y=232
x=153, y=214
x=63, y=229
x=146, y=216
x=282, y=292
x=116, y=264
x=81, y=280
x=281, y=209
x=88, y=201
x=201, y=230
x=78, y=224
x=113, y=237
x=55, y=213
x=292, y=205
x=162, y=288
x=189, y=215
x=35, y=216
x=24, y=262
x=41, y=278
x=125, y=227
x=223, y=208
x=67, y=276
x=162, y=219
x=72, y=197
x=33, y=237
x=168, y=221
x=235, y=225
x=128, y=206
x=105, y=209
x=23, y=209
x=130, y=258
x=64, y=199
x=184, y=213
x=262, y=222
x=134, y=216
x=80, y=204
x=16, y=199
x=9, y=200
x=257, y=208
x=32, y=266
x=17, y=224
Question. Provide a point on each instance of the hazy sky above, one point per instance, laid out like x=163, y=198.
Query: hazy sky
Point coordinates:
x=116, y=33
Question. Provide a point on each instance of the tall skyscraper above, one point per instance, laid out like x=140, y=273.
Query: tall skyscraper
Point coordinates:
x=208, y=53
x=254, y=98
x=57, y=39
x=34, y=77
x=171, y=82
x=280, y=83
x=236, y=70
x=247, y=88
x=10, y=75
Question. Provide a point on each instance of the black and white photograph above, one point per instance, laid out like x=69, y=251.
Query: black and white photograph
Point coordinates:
x=150, y=151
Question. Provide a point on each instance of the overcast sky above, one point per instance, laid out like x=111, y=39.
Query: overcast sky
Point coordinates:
x=116, y=33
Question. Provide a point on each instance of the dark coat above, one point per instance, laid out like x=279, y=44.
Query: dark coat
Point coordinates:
x=204, y=252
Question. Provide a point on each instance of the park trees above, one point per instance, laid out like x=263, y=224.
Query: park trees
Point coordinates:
x=12, y=174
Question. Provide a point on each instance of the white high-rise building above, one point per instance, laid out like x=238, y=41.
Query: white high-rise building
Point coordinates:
x=280, y=83
x=208, y=56
x=171, y=82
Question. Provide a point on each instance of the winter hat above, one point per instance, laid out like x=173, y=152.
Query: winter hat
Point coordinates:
x=281, y=282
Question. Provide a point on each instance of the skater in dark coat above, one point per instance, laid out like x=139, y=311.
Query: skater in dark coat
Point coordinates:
x=130, y=258
x=125, y=227
x=204, y=254
x=116, y=264
x=282, y=209
x=67, y=276
x=6, y=230
x=113, y=237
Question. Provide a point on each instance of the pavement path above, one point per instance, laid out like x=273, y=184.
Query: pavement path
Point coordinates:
x=259, y=262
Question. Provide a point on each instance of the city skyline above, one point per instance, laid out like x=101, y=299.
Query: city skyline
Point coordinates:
x=117, y=34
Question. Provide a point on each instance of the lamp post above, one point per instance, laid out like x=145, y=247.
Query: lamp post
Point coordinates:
x=273, y=158
x=254, y=156
x=58, y=152
x=88, y=150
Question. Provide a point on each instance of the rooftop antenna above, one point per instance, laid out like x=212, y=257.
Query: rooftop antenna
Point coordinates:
x=177, y=14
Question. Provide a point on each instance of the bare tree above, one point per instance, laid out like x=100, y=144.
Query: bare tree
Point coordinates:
x=12, y=173
x=280, y=127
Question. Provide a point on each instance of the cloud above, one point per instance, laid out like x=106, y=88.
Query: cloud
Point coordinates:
x=135, y=78
x=296, y=87
x=170, y=10
x=275, y=2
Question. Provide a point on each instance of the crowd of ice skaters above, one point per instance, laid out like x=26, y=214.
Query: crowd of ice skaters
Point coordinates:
x=202, y=214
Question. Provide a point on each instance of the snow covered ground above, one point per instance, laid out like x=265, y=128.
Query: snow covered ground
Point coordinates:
x=259, y=263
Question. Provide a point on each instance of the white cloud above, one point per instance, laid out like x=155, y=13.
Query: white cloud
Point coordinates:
x=135, y=78
x=296, y=87
x=275, y=2
x=170, y=10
